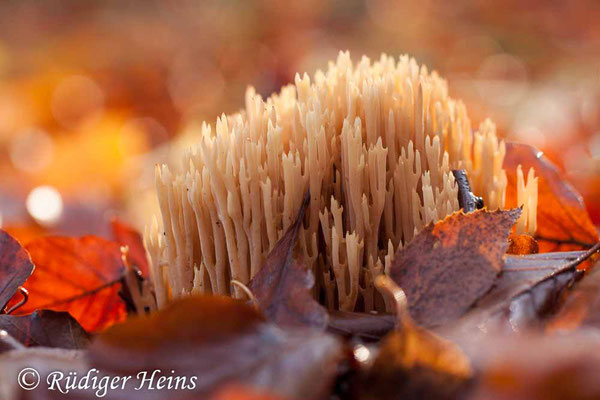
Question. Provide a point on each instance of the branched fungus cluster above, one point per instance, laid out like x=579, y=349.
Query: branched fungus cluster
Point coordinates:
x=374, y=143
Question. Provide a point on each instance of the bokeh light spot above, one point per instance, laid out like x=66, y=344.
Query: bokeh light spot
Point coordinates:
x=31, y=151
x=45, y=205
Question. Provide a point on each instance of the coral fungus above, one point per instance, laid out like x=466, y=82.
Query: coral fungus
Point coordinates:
x=374, y=143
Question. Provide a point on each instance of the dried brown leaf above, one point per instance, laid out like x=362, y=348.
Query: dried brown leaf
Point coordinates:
x=15, y=267
x=221, y=341
x=581, y=307
x=46, y=328
x=365, y=326
x=282, y=286
x=527, y=291
x=413, y=363
x=451, y=264
x=537, y=367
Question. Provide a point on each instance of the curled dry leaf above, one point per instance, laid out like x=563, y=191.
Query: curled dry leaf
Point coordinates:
x=78, y=275
x=527, y=291
x=562, y=220
x=46, y=328
x=282, y=286
x=412, y=362
x=221, y=341
x=581, y=307
x=451, y=264
x=15, y=267
x=125, y=235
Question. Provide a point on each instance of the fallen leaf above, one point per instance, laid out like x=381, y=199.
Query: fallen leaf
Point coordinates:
x=8, y=343
x=282, y=286
x=240, y=392
x=562, y=220
x=364, y=326
x=451, y=264
x=413, y=363
x=537, y=367
x=78, y=275
x=528, y=290
x=46, y=328
x=221, y=341
x=15, y=267
x=581, y=307
x=125, y=235
x=522, y=245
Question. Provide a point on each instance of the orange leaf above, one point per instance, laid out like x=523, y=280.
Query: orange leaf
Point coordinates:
x=78, y=275
x=562, y=220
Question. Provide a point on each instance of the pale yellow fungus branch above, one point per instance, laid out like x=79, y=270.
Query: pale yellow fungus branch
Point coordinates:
x=374, y=142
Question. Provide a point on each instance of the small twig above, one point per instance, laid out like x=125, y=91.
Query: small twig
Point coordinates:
x=246, y=290
x=136, y=292
x=466, y=199
x=584, y=256
x=571, y=265
x=20, y=304
x=388, y=288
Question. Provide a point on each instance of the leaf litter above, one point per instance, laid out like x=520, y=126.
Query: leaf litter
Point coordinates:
x=458, y=298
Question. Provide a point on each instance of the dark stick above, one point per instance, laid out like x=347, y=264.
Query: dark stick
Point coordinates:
x=466, y=199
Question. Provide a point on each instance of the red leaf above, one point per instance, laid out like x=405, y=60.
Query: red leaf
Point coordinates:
x=78, y=275
x=562, y=220
x=125, y=235
x=15, y=267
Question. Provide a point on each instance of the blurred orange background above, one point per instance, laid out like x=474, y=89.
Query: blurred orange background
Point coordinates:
x=93, y=94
